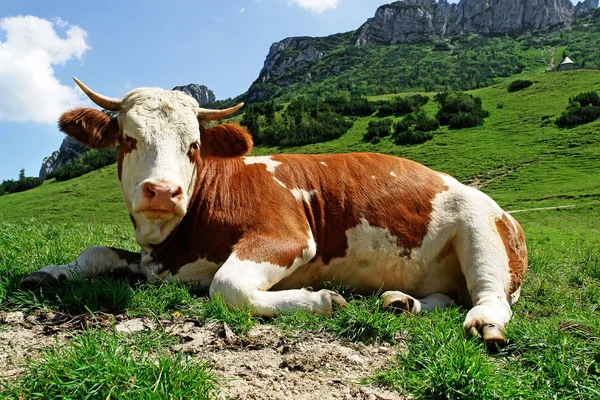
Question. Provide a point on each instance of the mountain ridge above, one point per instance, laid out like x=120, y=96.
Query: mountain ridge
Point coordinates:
x=412, y=22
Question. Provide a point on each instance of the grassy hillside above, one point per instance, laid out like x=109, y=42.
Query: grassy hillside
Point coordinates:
x=518, y=157
x=463, y=62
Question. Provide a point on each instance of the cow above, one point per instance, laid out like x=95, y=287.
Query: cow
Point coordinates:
x=272, y=233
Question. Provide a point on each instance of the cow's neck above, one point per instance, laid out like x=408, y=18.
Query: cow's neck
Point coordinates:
x=206, y=230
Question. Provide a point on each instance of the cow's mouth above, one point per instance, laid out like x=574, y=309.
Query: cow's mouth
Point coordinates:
x=164, y=215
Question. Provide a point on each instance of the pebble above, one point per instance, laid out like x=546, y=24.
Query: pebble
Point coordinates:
x=355, y=359
x=265, y=373
x=16, y=317
x=133, y=325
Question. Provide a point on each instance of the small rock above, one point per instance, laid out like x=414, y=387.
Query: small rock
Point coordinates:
x=229, y=335
x=265, y=373
x=355, y=359
x=133, y=325
x=16, y=317
x=383, y=349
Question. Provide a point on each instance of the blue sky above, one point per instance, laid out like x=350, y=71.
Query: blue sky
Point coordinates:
x=114, y=46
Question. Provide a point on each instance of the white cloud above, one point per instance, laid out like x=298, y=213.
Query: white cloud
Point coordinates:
x=316, y=6
x=29, y=90
x=242, y=10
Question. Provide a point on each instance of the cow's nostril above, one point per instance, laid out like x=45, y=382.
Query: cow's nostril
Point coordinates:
x=176, y=192
x=149, y=190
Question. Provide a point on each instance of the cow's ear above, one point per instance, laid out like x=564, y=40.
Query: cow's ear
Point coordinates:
x=225, y=140
x=90, y=127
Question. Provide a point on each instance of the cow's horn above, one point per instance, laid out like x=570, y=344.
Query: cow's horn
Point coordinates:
x=108, y=103
x=206, y=114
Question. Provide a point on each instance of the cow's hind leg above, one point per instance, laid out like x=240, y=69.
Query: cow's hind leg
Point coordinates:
x=400, y=302
x=493, y=258
x=92, y=262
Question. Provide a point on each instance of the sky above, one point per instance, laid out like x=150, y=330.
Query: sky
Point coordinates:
x=115, y=46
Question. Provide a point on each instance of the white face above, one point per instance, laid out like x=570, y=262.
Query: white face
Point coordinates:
x=161, y=137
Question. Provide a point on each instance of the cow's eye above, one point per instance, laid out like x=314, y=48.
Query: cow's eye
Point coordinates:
x=129, y=144
x=194, y=152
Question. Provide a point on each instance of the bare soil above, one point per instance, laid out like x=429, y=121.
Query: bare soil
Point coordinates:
x=268, y=363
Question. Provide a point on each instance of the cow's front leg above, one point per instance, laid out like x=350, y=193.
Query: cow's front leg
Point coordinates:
x=92, y=262
x=245, y=283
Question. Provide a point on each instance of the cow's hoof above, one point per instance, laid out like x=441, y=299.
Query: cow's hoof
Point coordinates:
x=38, y=279
x=491, y=334
x=337, y=301
x=398, y=302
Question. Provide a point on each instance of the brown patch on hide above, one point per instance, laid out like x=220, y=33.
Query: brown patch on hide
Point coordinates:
x=236, y=208
x=350, y=187
x=225, y=140
x=516, y=249
x=90, y=127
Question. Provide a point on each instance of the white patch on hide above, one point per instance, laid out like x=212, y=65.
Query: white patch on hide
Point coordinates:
x=200, y=271
x=303, y=195
x=266, y=160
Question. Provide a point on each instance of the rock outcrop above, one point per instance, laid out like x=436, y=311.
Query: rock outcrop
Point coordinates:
x=69, y=151
x=289, y=54
x=201, y=93
x=418, y=20
x=409, y=21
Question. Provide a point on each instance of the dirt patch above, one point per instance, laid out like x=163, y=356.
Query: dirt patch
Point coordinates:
x=483, y=180
x=268, y=363
x=21, y=339
x=271, y=364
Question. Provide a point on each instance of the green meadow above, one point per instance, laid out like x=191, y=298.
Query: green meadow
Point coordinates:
x=549, y=178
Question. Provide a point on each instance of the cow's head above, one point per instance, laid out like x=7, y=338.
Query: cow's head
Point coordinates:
x=159, y=133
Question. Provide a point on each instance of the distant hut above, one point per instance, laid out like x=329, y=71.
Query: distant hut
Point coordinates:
x=566, y=65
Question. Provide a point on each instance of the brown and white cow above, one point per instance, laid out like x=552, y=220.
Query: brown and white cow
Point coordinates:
x=264, y=231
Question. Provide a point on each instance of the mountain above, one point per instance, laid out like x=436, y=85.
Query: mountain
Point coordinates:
x=418, y=20
x=402, y=35
x=69, y=151
x=201, y=93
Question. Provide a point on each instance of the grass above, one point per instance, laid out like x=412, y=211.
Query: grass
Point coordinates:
x=109, y=365
x=521, y=159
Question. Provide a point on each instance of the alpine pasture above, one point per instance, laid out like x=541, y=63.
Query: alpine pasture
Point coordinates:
x=549, y=178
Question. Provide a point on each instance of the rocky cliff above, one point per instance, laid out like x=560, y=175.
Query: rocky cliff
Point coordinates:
x=201, y=93
x=410, y=21
x=69, y=151
x=418, y=20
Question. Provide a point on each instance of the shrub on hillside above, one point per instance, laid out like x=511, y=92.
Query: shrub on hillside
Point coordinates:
x=342, y=103
x=89, y=161
x=519, y=84
x=586, y=99
x=304, y=121
x=401, y=105
x=583, y=108
x=412, y=137
x=377, y=129
x=20, y=185
x=414, y=129
x=460, y=110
